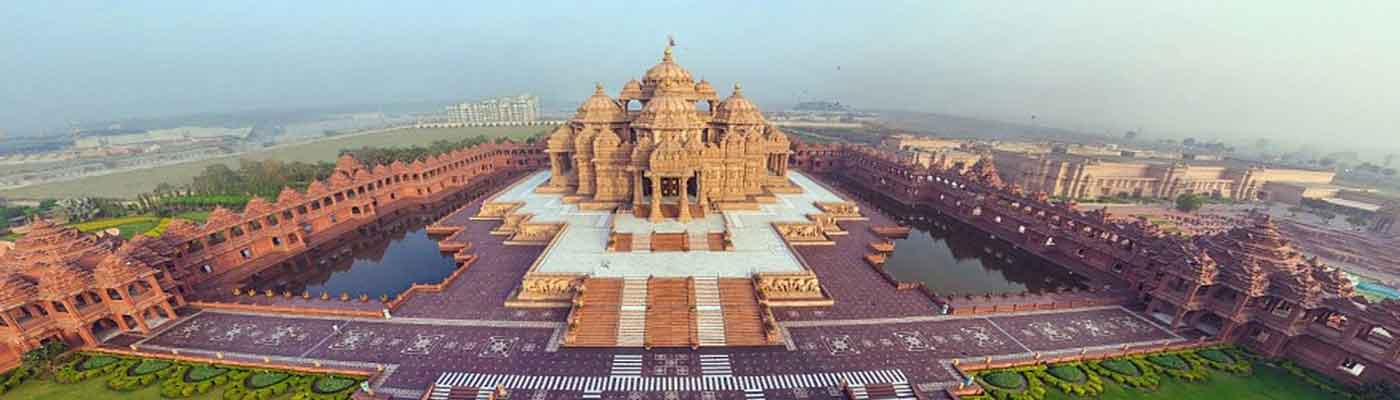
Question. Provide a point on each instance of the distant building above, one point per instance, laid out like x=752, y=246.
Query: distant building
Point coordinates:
x=1075, y=176
x=522, y=109
x=118, y=137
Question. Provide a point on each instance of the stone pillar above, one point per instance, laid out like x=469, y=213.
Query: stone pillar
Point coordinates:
x=86, y=333
x=141, y=323
x=685, y=200
x=1228, y=330
x=10, y=320
x=121, y=323
x=700, y=187
x=636, y=189
x=165, y=306
x=554, y=166
x=656, y=199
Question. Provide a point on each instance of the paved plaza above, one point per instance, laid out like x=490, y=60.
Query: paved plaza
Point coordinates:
x=464, y=336
x=582, y=247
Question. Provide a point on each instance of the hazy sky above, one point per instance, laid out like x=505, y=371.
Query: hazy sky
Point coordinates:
x=1291, y=70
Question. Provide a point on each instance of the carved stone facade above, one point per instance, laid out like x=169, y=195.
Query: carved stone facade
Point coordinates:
x=1248, y=285
x=669, y=149
x=801, y=233
x=549, y=287
x=791, y=289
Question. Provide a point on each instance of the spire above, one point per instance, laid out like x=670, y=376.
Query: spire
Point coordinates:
x=667, y=56
x=598, y=88
x=738, y=89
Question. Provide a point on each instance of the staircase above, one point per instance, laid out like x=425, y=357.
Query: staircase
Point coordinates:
x=632, y=318
x=743, y=323
x=641, y=242
x=697, y=241
x=597, y=316
x=882, y=391
x=670, y=241
x=444, y=392
x=709, y=314
x=668, y=322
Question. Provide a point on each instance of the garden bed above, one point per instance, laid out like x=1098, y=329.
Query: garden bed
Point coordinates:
x=100, y=376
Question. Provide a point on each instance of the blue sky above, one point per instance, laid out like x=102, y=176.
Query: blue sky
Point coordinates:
x=1292, y=70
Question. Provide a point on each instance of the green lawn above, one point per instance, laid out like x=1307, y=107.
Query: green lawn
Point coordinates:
x=196, y=216
x=131, y=183
x=129, y=226
x=1267, y=383
x=91, y=389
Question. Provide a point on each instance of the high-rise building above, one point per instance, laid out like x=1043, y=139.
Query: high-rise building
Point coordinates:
x=501, y=110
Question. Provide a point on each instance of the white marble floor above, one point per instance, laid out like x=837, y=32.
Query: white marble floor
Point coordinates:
x=582, y=248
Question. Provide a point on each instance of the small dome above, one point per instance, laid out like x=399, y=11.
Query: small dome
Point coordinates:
x=600, y=108
x=738, y=110
x=631, y=90
x=705, y=90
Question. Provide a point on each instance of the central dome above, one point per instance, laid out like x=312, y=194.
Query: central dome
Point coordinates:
x=669, y=111
x=667, y=72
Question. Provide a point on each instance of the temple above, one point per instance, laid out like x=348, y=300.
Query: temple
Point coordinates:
x=668, y=150
x=684, y=245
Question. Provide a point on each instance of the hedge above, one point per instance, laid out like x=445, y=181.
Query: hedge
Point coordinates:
x=183, y=380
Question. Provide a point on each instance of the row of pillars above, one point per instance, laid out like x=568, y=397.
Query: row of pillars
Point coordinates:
x=683, y=185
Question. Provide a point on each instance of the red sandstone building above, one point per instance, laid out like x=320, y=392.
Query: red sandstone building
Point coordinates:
x=59, y=284
x=1248, y=285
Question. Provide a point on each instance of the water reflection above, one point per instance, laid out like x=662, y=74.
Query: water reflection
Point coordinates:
x=384, y=257
x=952, y=257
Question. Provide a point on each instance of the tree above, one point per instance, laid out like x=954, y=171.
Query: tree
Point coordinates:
x=1189, y=202
x=1388, y=172
x=1130, y=135
x=1188, y=142
x=42, y=355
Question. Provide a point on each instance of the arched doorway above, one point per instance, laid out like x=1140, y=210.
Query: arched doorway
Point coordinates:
x=1210, y=323
x=104, y=329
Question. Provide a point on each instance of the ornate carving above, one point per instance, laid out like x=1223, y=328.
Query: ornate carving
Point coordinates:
x=538, y=287
x=789, y=286
x=496, y=210
x=796, y=233
x=839, y=210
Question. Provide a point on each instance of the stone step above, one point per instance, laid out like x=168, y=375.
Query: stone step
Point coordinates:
x=709, y=311
x=698, y=241
x=632, y=318
x=641, y=242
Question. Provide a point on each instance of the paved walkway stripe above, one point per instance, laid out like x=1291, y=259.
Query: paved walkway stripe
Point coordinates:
x=716, y=365
x=671, y=383
x=627, y=365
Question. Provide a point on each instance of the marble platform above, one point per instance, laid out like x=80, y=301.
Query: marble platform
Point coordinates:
x=582, y=246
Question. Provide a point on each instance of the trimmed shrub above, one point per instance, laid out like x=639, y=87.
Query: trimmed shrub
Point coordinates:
x=15, y=377
x=148, y=367
x=1124, y=367
x=1005, y=380
x=1067, y=372
x=95, y=362
x=263, y=379
x=332, y=384
x=69, y=372
x=1216, y=355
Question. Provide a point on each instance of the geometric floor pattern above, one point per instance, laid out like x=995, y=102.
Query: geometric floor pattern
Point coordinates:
x=463, y=338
